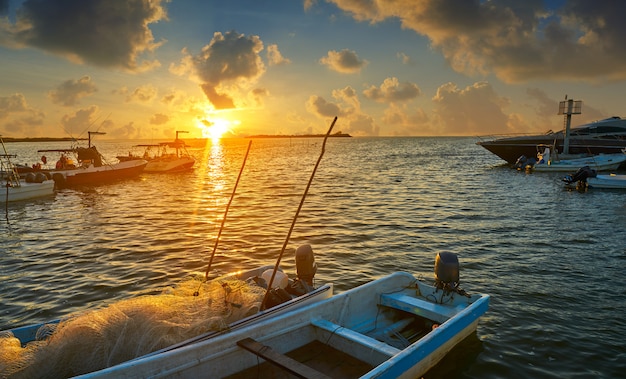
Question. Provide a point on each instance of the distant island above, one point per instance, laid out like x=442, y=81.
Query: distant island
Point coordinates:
x=338, y=134
x=42, y=139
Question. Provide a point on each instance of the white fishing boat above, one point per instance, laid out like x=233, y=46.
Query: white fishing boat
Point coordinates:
x=94, y=340
x=14, y=188
x=586, y=177
x=88, y=167
x=548, y=161
x=393, y=327
x=167, y=161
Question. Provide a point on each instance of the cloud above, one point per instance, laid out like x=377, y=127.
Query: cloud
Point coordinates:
x=127, y=131
x=344, y=61
x=347, y=108
x=76, y=124
x=258, y=96
x=71, y=91
x=405, y=59
x=517, y=41
x=99, y=32
x=392, y=91
x=12, y=104
x=476, y=109
x=18, y=117
x=144, y=94
x=229, y=64
x=274, y=57
x=4, y=7
x=159, y=119
x=407, y=121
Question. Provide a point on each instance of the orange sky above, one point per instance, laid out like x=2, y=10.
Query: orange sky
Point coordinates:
x=143, y=69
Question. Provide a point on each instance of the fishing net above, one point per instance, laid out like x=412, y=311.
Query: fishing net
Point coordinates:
x=128, y=329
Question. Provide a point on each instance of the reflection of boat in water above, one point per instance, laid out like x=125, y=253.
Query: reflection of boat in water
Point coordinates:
x=162, y=160
x=393, y=327
x=606, y=136
x=89, y=168
x=14, y=188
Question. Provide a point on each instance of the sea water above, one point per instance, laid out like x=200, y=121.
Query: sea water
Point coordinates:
x=551, y=259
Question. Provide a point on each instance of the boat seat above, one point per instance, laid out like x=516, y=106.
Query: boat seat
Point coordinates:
x=435, y=312
x=284, y=362
x=362, y=339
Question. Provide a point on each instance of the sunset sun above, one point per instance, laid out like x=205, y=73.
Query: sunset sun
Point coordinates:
x=215, y=128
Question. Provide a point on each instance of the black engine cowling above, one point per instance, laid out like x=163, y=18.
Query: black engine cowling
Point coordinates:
x=581, y=175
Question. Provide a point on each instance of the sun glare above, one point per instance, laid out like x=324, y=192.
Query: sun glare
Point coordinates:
x=215, y=128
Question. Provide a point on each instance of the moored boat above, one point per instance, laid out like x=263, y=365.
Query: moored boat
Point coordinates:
x=162, y=160
x=88, y=167
x=151, y=324
x=14, y=188
x=393, y=327
x=548, y=161
x=586, y=177
x=607, y=136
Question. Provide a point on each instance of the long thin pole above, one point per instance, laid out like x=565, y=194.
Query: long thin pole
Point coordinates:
x=232, y=195
x=293, y=222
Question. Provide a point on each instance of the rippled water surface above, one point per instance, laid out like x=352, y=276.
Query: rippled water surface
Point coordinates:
x=551, y=259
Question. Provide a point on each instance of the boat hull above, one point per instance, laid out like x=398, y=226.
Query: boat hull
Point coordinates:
x=345, y=322
x=36, y=332
x=510, y=149
x=85, y=176
x=170, y=164
x=599, y=163
x=27, y=191
x=611, y=181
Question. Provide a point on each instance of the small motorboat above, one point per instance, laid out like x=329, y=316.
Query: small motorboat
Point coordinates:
x=168, y=162
x=586, y=177
x=88, y=167
x=548, y=161
x=393, y=327
x=14, y=188
x=153, y=324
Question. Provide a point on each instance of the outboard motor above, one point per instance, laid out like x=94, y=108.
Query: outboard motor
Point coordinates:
x=521, y=162
x=581, y=175
x=305, y=264
x=524, y=162
x=305, y=269
x=447, y=273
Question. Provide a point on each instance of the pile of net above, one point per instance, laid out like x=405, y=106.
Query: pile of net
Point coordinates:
x=128, y=329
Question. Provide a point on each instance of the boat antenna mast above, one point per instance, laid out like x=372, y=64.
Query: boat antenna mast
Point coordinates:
x=568, y=108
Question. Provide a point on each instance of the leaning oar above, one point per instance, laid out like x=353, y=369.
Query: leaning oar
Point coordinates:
x=293, y=222
x=219, y=233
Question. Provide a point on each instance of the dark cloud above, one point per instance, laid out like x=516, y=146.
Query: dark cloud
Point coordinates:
x=70, y=91
x=518, y=41
x=99, y=32
x=4, y=7
x=227, y=65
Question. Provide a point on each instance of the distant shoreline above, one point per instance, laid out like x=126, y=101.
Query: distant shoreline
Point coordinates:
x=42, y=139
x=338, y=134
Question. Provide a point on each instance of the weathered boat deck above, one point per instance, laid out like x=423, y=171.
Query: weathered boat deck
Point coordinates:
x=316, y=355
